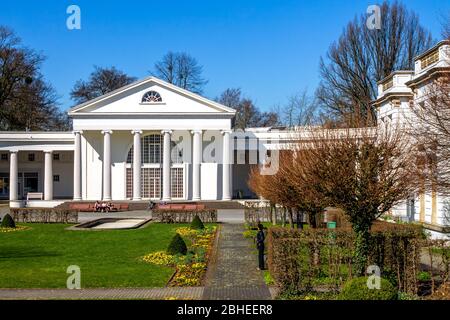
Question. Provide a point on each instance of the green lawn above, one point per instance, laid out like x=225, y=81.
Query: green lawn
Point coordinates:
x=39, y=257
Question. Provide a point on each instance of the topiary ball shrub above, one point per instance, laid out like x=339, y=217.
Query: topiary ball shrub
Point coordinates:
x=197, y=223
x=177, y=246
x=8, y=222
x=357, y=289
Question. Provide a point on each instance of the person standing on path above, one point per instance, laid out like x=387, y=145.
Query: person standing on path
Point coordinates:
x=260, y=237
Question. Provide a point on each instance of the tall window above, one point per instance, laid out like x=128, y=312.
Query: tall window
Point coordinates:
x=151, y=181
x=176, y=184
x=151, y=171
x=151, y=149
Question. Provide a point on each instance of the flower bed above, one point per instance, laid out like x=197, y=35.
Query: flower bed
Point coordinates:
x=17, y=228
x=191, y=267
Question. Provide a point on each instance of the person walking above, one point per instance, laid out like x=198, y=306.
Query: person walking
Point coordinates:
x=260, y=237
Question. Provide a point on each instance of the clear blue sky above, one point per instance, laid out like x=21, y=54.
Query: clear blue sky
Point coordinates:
x=270, y=49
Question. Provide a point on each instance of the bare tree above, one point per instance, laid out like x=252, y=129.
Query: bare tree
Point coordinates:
x=364, y=172
x=101, y=81
x=446, y=25
x=277, y=187
x=247, y=114
x=182, y=70
x=289, y=187
x=27, y=102
x=300, y=110
x=361, y=57
x=231, y=97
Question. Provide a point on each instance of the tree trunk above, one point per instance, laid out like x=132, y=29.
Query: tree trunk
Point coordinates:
x=271, y=214
x=312, y=219
x=299, y=219
x=362, y=247
x=290, y=218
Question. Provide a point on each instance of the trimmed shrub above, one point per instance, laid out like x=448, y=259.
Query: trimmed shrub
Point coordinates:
x=197, y=223
x=184, y=216
x=177, y=246
x=8, y=222
x=44, y=215
x=357, y=289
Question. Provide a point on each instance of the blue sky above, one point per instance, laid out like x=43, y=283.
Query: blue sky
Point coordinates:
x=270, y=49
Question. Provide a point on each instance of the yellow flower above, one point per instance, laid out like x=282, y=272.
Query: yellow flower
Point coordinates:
x=186, y=232
x=199, y=265
x=159, y=258
x=17, y=228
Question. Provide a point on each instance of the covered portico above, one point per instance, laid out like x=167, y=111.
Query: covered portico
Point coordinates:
x=152, y=140
x=33, y=162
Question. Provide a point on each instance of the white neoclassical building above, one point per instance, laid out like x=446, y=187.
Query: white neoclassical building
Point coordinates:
x=153, y=140
x=146, y=140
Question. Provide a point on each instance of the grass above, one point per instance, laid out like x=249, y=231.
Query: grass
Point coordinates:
x=39, y=257
x=268, y=278
x=441, y=251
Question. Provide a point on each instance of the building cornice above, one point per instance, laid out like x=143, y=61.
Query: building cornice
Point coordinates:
x=389, y=96
x=427, y=75
x=115, y=115
x=393, y=73
x=437, y=45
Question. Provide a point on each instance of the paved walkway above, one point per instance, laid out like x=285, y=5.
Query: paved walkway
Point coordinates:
x=230, y=215
x=234, y=274
x=191, y=293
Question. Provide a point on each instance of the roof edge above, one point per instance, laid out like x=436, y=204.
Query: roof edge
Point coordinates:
x=158, y=81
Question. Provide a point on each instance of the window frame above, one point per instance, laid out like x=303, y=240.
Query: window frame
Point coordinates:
x=160, y=101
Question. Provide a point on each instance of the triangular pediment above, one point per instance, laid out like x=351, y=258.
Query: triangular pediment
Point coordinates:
x=129, y=99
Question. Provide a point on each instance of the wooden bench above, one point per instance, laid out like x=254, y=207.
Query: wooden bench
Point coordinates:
x=35, y=196
x=86, y=207
x=120, y=207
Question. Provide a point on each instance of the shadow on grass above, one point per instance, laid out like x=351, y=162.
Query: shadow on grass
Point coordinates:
x=26, y=252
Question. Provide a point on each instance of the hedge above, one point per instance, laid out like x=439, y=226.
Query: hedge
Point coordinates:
x=184, y=216
x=44, y=215
x=300, y=260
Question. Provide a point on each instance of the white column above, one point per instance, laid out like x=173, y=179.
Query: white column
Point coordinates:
x=48, y=175
x=226, y=165
x=13, y=176
x=137, y=164
x=166, y=165
x=106, y=164
x=77, y=166
x=196, y=163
